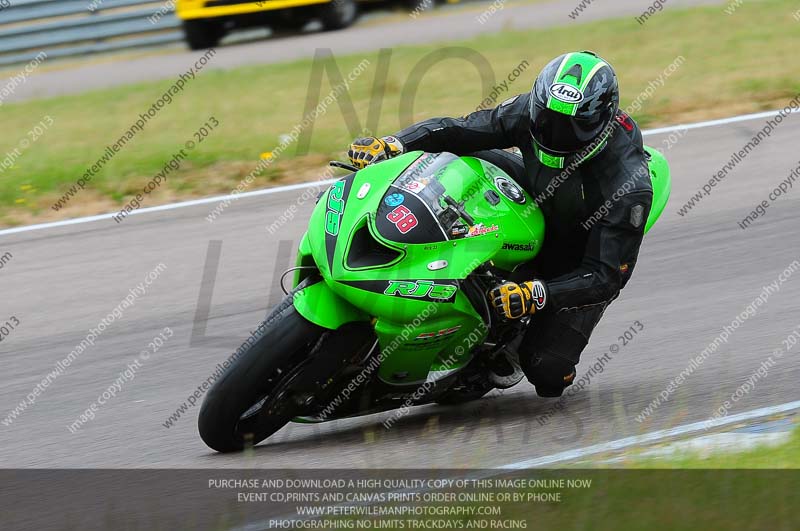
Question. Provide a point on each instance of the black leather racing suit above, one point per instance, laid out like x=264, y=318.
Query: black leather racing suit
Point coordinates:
x=594, y=223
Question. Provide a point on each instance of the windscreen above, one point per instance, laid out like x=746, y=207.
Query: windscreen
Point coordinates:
x=412, y=209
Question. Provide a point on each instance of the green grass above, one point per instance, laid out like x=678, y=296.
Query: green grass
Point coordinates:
x=782, y=456
x=723, y=493
x=739, y=63
x=756, y=489
x=670, y=500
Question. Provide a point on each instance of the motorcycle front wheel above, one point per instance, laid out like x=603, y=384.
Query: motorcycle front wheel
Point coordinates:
x=253, y=399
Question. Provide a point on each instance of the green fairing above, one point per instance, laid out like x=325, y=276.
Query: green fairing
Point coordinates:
x=316, y=302
x=662, y=184
x=423, y=334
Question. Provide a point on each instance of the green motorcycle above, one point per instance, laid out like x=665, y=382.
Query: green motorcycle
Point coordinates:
x=389, y=306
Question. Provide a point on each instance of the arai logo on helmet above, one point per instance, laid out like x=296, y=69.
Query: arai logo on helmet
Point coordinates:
x=566, y=93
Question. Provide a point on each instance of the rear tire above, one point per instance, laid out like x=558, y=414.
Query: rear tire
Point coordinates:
x=201, y=34
x=338, y=14
x=256, y=377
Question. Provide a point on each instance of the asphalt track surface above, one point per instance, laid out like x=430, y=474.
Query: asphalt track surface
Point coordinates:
x=439, y=26
x=695, y=275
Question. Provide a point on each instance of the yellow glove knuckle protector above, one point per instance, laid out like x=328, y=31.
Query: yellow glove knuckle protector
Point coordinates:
x=364, y=151
x=514, y=300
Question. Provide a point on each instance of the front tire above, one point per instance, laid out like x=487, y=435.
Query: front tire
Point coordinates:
x=338, y=14
x=245, y=406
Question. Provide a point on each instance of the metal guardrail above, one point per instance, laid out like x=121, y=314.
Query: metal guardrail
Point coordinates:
x=72, y=27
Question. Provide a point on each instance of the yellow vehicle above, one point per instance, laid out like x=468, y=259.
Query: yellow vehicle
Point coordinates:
x=205, y=22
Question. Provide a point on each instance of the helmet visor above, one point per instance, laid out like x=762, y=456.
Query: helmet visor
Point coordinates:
x=561, y=133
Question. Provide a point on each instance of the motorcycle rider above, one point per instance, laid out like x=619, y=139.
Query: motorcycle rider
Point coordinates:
x=582, y=158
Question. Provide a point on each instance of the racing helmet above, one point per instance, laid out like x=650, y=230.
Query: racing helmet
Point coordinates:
x=572, y=105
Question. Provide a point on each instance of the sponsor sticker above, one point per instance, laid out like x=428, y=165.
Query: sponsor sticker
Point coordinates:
x=394, y=200
x=518, y=246
x=459, y=231
x=429, y=336
x=403, y=219
x=566, y=93
x=480, y=229
x=625, y=121
x=335, y=208
x=420, y=289
x=415, y=185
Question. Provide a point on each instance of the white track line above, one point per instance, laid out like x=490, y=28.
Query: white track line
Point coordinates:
x=648, y=438
x=712, y=123
x=281, y=189
x=168, y=206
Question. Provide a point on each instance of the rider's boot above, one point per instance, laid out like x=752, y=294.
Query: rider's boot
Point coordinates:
x=504, y=368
